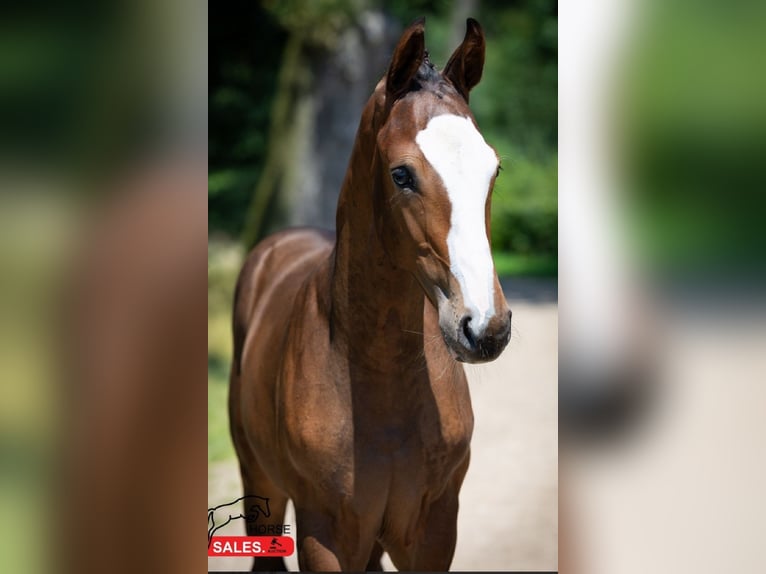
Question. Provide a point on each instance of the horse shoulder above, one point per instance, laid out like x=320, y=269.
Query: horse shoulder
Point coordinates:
x=316, y=412
x=267, y=307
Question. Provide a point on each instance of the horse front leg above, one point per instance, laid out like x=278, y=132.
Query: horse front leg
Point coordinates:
x=434, y=549
x=332, y=543
x=373, y=562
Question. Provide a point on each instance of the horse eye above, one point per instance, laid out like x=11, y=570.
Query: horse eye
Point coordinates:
x=403, y=178
x=499, y=169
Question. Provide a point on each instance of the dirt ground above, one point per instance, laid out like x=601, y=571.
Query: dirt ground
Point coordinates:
x=509, y=502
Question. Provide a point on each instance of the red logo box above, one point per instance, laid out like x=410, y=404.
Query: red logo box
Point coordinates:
x=261, y=546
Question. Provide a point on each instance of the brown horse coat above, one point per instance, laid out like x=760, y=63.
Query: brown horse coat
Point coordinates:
x=347, y=394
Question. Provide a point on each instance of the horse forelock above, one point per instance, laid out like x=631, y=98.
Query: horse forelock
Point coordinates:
x=428, y=80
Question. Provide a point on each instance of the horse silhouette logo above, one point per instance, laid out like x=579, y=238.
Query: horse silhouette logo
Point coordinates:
x=219, y=516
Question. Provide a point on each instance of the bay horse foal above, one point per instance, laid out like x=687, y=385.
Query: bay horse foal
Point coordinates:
x=347, y=395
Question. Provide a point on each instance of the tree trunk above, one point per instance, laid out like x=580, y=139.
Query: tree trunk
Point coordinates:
x=320, y=96
x=461, y=11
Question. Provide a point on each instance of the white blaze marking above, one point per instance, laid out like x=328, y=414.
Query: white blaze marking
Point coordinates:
x=466, y=164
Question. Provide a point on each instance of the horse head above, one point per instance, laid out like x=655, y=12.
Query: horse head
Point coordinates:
x=433, y=177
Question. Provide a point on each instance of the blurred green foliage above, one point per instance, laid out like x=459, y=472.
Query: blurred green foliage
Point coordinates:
x=524, y=206
x=691, y=134
x=516, y=107
x=320, y=21
x=515, y=104
x=79, y=86
x=245, y=43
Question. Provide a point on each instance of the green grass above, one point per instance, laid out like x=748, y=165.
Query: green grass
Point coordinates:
x=219, y=446
x=224, y=262
x=517, y=265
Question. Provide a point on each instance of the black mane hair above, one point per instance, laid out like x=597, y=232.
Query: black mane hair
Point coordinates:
x=431, y=79
x=427, y=71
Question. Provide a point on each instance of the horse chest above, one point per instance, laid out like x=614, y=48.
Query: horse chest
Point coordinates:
x=432, y=448
x=349, y=436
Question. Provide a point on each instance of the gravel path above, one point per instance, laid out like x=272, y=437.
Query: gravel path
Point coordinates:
x=509, y=501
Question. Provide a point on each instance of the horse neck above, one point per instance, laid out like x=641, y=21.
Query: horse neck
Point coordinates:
x=377, y=307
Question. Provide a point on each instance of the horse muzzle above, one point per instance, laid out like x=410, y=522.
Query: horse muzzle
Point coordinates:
x=471, y=341
x=484, y=344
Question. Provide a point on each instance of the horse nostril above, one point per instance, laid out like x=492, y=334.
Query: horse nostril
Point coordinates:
x=464, y=325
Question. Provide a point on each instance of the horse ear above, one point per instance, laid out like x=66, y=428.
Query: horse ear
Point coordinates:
x=408, y=55
x=466, y=64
